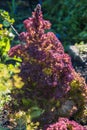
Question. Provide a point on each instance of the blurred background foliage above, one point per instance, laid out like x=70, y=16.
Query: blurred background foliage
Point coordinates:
x=68, y=18
x=19, y=10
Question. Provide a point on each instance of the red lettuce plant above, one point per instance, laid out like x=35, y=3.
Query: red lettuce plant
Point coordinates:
x=43, y=59
x=47, y=71
x=65, y=124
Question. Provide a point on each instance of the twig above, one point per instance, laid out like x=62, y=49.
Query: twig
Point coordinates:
x=14, y=29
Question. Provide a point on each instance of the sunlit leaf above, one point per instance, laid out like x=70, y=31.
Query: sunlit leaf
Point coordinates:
x=6, y=23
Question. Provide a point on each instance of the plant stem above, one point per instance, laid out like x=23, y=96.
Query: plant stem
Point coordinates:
x=14, y=30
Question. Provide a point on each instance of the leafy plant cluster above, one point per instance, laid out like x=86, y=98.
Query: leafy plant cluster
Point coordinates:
x=8, y=80
x=9, y=73
x=6, y=34
x=52, y=88
x=68, y=19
